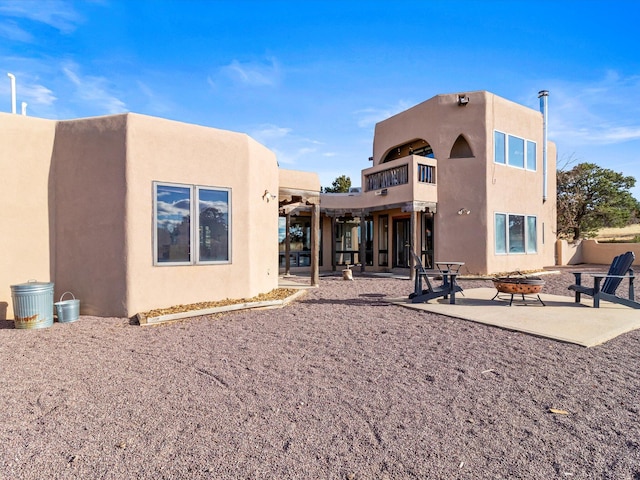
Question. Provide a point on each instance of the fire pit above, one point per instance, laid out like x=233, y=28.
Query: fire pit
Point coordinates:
x=519, y=285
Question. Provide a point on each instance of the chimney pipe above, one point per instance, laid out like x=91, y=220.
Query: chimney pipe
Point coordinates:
x=543, y=95
x=13, y=92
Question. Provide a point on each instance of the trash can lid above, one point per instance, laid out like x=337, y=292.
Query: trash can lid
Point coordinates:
x=30, y=287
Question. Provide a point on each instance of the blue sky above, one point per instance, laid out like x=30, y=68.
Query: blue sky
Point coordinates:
x=309, y=79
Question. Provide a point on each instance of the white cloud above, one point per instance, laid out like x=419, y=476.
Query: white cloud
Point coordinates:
x=94, y=90
x=253, y=74
x=154, y=103
x=37, y=94
x=269, y=132
x=368, y=117
x=289, y=147
x=14, y=33
x=58, y=14
x=596, y=113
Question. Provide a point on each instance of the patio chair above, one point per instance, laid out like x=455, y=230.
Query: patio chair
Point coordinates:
x=620, y=269
x=448, y=288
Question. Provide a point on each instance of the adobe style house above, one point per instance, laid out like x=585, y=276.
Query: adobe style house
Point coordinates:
x=131, y=212
x=460, y=177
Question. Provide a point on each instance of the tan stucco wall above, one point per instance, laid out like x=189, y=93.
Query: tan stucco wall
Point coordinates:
x=26, y=243
x=91, y=246
x=603, y=253
x=518, y=191
x=167, y=151
x=298, y=180
x=477, y=183
x=82, y=192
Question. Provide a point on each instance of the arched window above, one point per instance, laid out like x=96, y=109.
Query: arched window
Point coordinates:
x=418, y=147
x=461, y=148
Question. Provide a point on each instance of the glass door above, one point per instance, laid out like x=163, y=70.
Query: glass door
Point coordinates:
x=401, y=242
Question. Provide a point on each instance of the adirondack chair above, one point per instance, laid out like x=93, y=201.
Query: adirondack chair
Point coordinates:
x=620, y=269
x=448, y=288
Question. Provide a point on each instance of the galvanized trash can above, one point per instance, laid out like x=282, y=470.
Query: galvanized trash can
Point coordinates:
x=32, y=304
x=68, y=310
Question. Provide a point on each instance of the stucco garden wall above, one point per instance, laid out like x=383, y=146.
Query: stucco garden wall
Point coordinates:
x=593, y=252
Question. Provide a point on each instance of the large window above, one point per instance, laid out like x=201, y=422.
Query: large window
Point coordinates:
x=515, y=233
x=514, y=151
x=192, y=224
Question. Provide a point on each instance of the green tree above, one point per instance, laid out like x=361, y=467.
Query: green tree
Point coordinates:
x=591, y=197
x=342, y=184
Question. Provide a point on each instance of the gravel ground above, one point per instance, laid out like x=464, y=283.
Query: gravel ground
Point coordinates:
x=337, y=385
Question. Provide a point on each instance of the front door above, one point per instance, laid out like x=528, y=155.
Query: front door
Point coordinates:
x=401, y=242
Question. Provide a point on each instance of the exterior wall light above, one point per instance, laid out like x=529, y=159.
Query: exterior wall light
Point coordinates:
x=464, y=211
x=268, y=196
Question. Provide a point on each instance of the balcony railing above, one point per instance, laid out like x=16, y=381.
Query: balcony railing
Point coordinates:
x=387, y=178
x=426, y=173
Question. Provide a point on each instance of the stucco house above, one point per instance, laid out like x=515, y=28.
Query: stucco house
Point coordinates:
x=131, y=212
x=466, y=177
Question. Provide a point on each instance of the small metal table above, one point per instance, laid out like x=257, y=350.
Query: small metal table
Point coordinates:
x=449, y=271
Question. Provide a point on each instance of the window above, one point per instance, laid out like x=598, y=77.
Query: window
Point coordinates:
x=515, y=233
x=189, y=231
x=531, y=155
x=514, y=151
x=500, y=142
x=531, y=235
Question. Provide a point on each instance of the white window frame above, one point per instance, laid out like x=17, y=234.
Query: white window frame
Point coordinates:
x=194, y=230
x=507, y=162
x=528, y=249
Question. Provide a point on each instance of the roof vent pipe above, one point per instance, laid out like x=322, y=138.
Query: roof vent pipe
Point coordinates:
x=543, y=95
x=24, y=108
x=13, y=92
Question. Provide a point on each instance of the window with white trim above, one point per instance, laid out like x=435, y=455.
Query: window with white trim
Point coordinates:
x=192, y=224
x=515, y=234
x=514, y=151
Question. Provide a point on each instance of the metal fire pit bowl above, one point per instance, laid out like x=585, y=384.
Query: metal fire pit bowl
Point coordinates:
x=519, y=286
x=524, y=285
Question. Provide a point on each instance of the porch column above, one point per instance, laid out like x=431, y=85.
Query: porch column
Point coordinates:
x=333, y=243
x=315, y=245
x=363, y=242
x=287, y=245
x=412, y=236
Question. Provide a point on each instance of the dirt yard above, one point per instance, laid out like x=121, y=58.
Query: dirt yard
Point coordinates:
x=338, y=385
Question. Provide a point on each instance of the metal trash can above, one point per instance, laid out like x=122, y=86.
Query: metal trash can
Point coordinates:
x=32, y=304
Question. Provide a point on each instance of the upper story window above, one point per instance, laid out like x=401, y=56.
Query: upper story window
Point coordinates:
x=192, y=224
x=514, y=151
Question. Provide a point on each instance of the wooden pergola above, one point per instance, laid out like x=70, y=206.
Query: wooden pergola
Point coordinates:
x=294, y=201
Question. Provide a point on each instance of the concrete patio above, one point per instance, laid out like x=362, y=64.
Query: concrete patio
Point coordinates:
x=561, y=319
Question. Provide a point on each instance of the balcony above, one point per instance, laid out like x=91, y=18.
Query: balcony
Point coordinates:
x=392, y=184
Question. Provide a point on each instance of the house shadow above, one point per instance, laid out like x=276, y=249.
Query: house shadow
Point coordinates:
x=4, y=323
